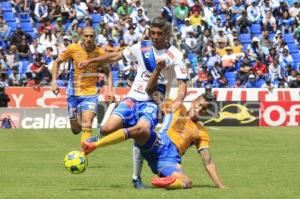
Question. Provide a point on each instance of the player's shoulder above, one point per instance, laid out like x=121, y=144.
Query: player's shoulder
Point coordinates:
x=175, y=52
x=99, y=50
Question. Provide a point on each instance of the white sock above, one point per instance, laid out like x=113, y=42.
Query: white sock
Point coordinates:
x=137, y=163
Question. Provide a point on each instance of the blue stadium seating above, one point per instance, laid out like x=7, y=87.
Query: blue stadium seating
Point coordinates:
x=271, y=35
x=288, y=38
x=9, y=17
x=256, y=29
x=12, y=25
x=27, y=27
x=231, y=78
x=293, y=48
x=24, y=17
x=245, y=38
x=296, y=57
x=6, y=6
x=23, y=67
x=32, y=34
x=245, y=46
x=81, y=24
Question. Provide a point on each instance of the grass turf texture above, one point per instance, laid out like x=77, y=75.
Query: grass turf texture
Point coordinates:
x=253, y=162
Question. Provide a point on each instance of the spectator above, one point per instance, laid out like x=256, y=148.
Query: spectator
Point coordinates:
x=4, y=99
x=48, y=39
x=37, y=68
x=195, y=19
x=237, y=9
x=4, y=30
x=40, y=11
x=254, y=50
x=167, y=11
x=243, y=23
x=254, y=13
x=139, y=16
x=12, y=57
x=285, y=59
x=54, y=11
x=23, y=50
x=17, y=36
x=282, y=83
x=295, y=83
x=244, y=70
x=286, y=23
x=68, y=11
x=237, y=48
x=131, y=37
x=111, y=18
x=213, y=59
x=274, y=70
x=14, y=78
x=259, y=67
x=251, y=83
x=81, y=10
x=269, y=22
x=295, y=9
x=221, y=37
x=210, y=82
x=191, y=44
x=185, y=28
x=3, y=80
x=269, y=85
x=181, y=13
x=228, y=60
x=124, y=9
x=196, y=7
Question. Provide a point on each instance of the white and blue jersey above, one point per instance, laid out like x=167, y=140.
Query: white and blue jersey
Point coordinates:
x=145, y=55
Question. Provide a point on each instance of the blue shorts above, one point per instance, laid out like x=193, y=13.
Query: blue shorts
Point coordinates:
x=161, y=154
x=131, y=111
x=80, y=104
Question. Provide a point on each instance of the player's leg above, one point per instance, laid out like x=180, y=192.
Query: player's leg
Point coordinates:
x=73, y=114
x=88, y=109
x=177, y=180
x=147, y=112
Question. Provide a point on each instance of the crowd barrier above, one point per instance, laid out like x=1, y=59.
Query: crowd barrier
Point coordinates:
x=31, y=108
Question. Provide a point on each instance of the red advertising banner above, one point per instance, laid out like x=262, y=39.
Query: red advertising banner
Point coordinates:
x=279, y=113
x=24, y=97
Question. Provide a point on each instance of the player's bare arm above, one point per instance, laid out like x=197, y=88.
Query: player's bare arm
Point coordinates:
x=106, y=58
x=55, y=67
x=182, y=89
x=160, y=65
x=110, y=92
x=211, y=167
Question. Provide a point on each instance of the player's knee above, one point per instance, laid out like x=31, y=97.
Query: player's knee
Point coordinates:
x=106, y=129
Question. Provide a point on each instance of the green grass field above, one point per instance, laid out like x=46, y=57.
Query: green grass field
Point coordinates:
x=258, y=163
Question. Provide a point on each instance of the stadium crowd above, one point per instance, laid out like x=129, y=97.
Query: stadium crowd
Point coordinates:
x=227, y=43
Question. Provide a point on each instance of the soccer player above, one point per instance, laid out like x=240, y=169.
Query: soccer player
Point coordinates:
x=82, y=87
x=163, y=150
x=137, y=108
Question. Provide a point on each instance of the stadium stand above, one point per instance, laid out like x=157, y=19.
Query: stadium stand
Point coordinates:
x=213, y=15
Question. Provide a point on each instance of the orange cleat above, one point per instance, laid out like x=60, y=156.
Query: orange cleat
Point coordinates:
x=88, y=147
x=162, y=182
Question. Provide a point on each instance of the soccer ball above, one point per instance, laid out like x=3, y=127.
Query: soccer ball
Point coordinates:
x=75, y=162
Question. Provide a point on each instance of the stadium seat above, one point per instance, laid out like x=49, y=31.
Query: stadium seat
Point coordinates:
x=6, y=6
x=27, y=27
x=96, y=18
x=288, y=38
x=32, y=34
x=245, y=38
x=81, y=24
x=23, y=67
x=293, y=48
x=245, y=46
x=271, y=35
x=231, y=78
x=9, y=17
x=24, y=18
x=256, y=29
x=12, y=25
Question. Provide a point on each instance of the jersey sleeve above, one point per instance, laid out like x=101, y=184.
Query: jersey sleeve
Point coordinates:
x=203, y=139
x=180, y=68
x=130, y=52
x=66, y=54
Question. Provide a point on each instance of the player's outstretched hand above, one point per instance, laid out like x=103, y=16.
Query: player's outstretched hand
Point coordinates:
x=160, y=64
x=83, y=64
x=54, y=88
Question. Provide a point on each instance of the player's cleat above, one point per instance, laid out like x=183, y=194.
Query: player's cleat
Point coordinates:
x=162, y=182
x=88, y=147
x=93, y=139
x=138, y=183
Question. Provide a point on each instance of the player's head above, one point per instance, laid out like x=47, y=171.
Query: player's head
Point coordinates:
x=201, y=104
x=88, y=37
x=160, y=30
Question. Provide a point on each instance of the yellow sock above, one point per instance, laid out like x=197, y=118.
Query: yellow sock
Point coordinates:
x=177, y=184
x=86, y=134
x=113, y=138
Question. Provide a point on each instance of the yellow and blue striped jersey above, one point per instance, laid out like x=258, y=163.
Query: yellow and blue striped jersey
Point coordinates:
x=82, y=81
x=182, y=130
